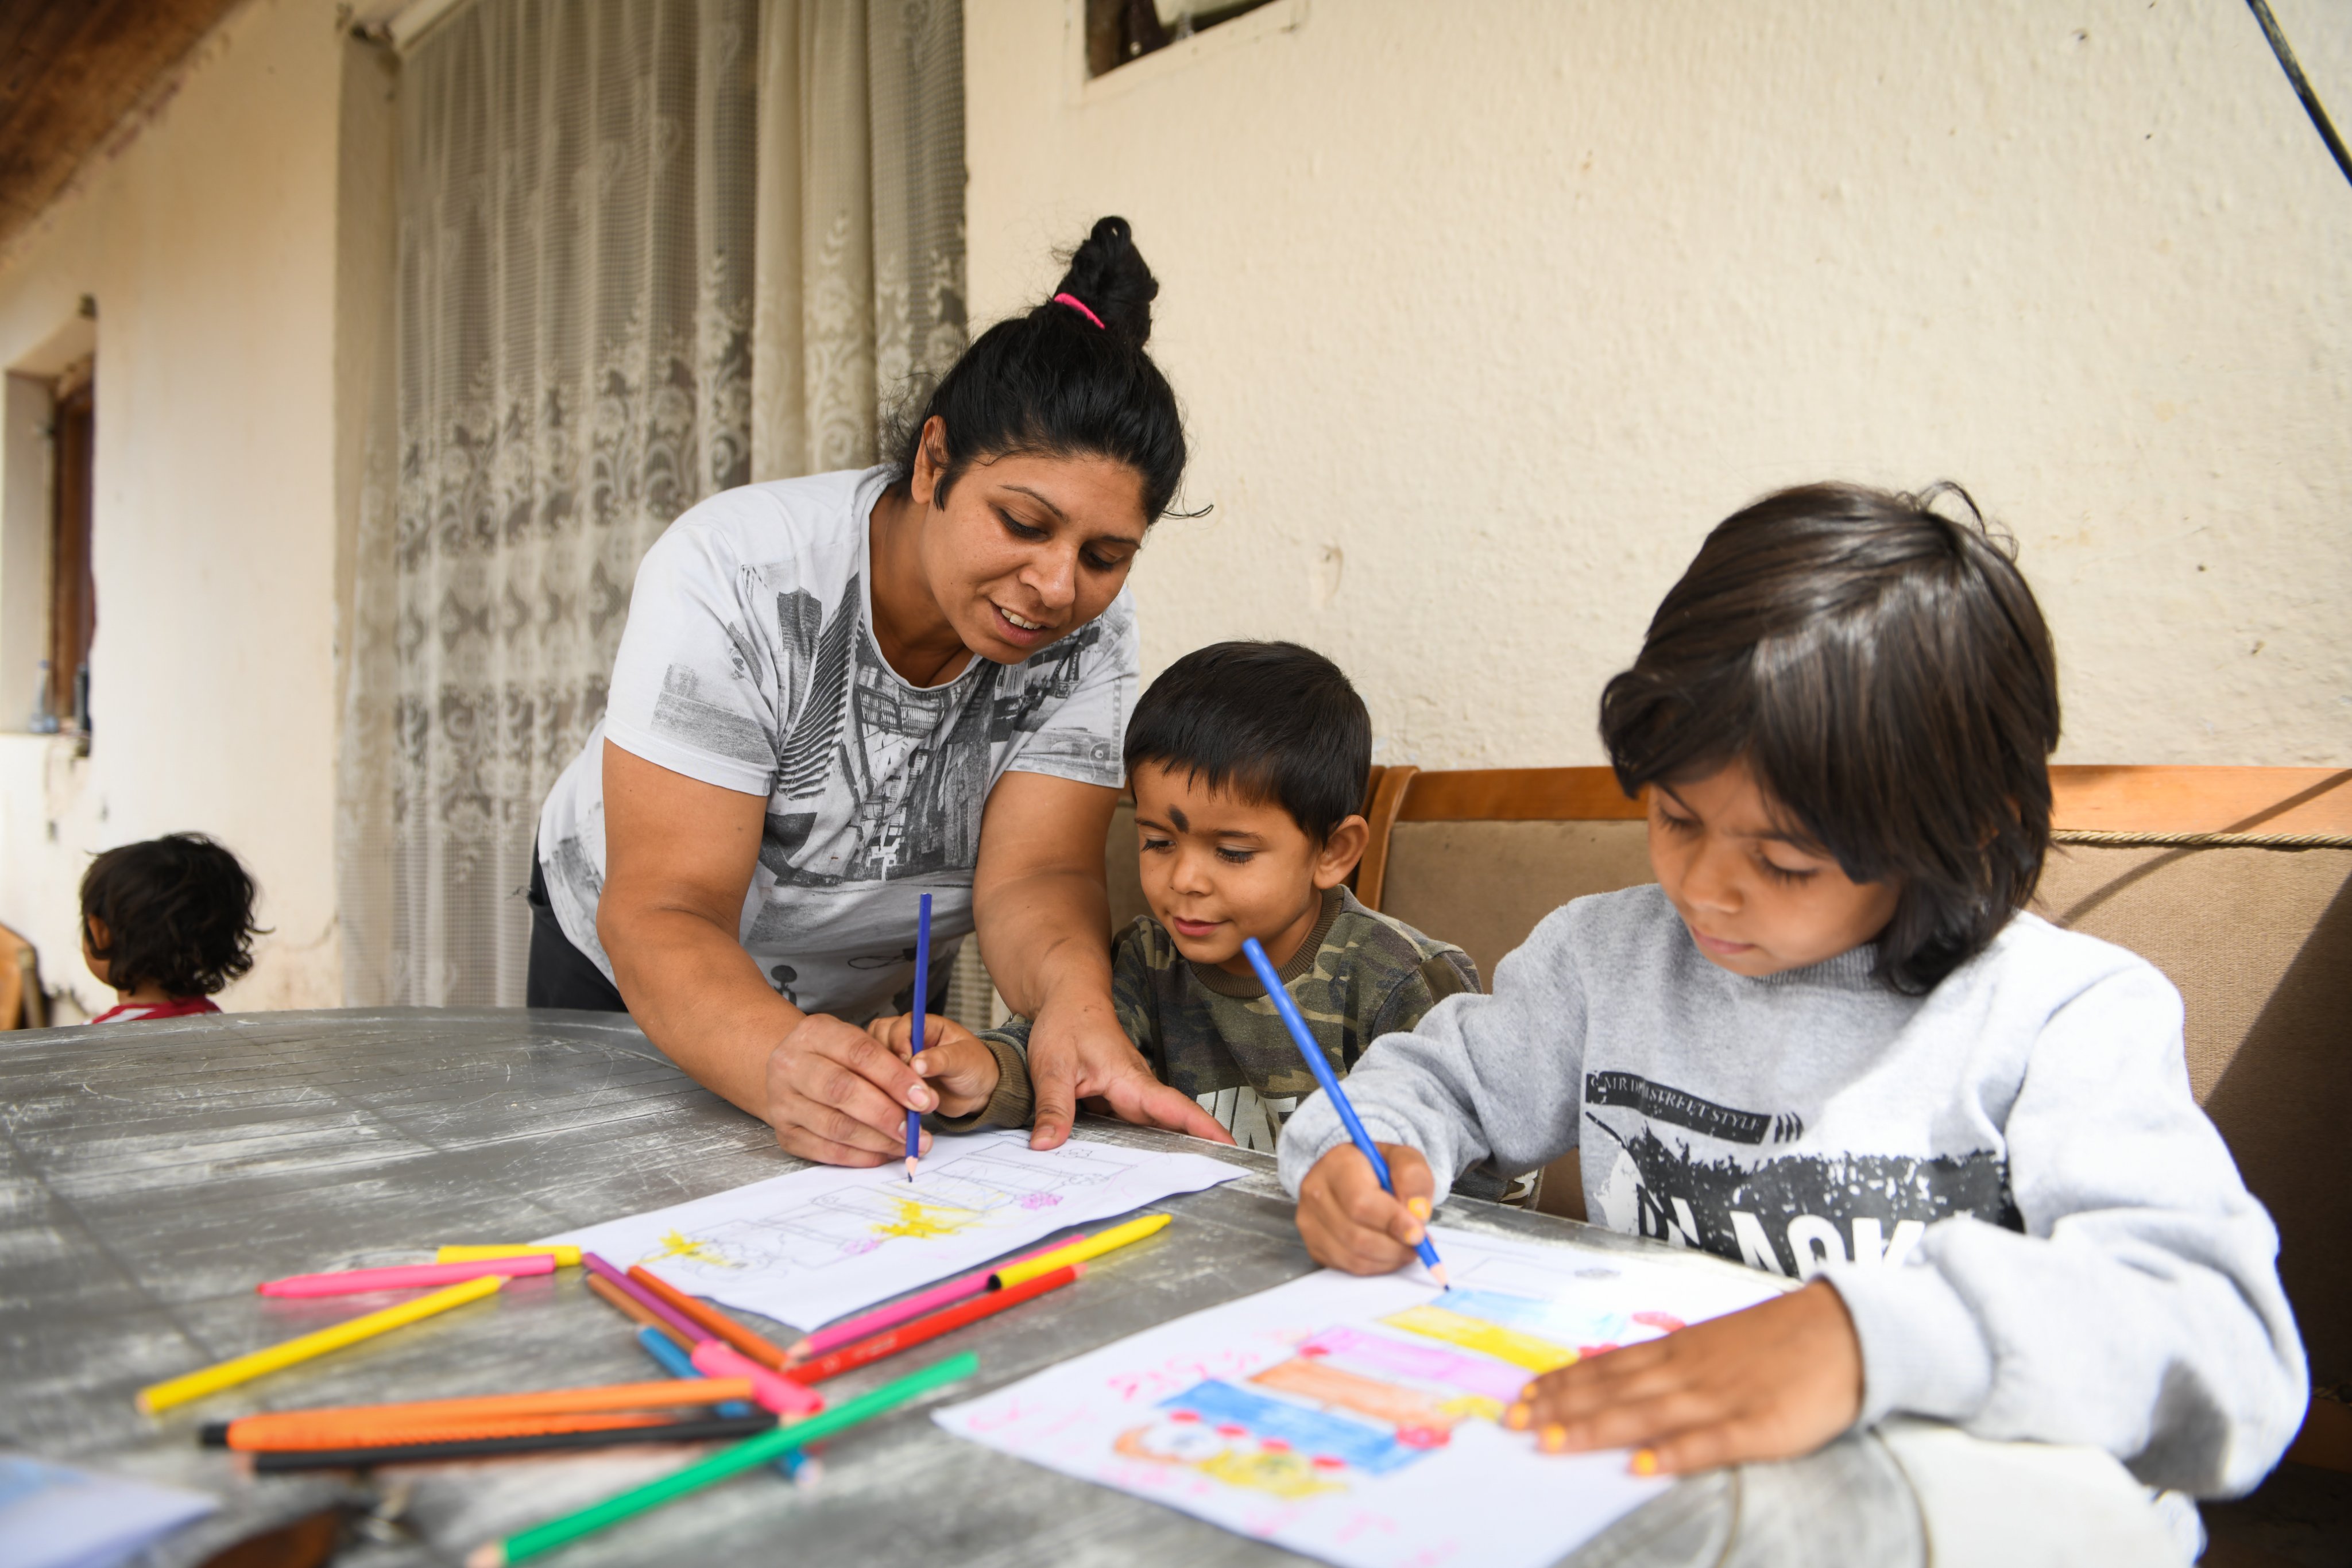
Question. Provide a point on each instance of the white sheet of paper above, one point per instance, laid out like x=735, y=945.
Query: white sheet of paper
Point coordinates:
x=1355, y=1420
x=811, y=1247
x=54, y=1516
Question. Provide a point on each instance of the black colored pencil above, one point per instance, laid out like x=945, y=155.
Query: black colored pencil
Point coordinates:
x=273, y=1461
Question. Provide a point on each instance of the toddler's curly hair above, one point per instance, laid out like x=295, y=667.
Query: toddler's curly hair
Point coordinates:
x=177, y=912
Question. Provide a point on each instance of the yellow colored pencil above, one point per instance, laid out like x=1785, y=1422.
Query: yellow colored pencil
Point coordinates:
x=565, y=1257
x=1081, y=1250
x=228, y=1374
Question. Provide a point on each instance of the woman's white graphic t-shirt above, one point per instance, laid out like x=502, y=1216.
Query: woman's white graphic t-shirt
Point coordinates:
x=750, y=663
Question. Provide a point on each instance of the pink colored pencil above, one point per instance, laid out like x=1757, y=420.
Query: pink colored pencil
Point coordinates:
x=409, y=1277
x=774, y=1390
x=849, y=1330
x=694, y=1331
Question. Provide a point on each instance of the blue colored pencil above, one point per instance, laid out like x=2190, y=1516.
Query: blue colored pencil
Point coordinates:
x=922, y=1006
x=677, y=1364
x=1279, y=995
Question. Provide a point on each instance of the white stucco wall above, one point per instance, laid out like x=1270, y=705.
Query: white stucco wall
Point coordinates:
x=1485, y=312
x=208, y=241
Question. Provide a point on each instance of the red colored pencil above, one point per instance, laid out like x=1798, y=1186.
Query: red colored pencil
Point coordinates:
x=906, y=1336
x=764, y=1352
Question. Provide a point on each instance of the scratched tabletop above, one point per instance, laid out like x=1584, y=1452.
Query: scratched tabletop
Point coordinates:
x=154, y=1171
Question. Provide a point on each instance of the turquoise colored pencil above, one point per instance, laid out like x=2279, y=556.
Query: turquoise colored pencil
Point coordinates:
x=763, y=1449
x=677, y=1364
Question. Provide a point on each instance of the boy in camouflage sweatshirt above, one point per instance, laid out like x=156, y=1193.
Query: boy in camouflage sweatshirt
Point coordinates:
x=1247, y=761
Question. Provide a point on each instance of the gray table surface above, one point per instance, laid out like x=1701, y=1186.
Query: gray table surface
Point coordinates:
x=154, y=1172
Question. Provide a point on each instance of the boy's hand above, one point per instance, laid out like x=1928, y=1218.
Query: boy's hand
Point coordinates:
x=954, y=1061
x=1773, y=1382
x=1348, y=1223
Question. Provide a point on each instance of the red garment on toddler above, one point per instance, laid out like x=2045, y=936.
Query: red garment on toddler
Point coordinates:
x=140, y=1012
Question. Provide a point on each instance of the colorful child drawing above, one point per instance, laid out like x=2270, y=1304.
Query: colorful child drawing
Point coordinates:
x=1351, y=1402
x=1360, y=1421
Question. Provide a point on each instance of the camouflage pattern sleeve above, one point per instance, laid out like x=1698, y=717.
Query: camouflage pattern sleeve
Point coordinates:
x=1133, y=996
x=1013, y=1104
x=1444, y=971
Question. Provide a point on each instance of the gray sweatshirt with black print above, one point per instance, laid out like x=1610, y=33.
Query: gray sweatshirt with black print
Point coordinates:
x=2036, y=1231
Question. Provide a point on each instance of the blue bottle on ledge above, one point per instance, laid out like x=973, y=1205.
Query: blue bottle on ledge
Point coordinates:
x=45, y=719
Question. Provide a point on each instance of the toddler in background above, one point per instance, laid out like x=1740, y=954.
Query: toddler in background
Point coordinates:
x=166, y=924
x=1829, y=1041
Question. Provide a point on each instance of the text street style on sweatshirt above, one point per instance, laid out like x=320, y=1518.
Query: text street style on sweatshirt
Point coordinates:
x=2036, y=1231
x=750, y=663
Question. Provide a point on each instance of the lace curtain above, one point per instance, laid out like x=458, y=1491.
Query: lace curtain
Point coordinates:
x=592, y=194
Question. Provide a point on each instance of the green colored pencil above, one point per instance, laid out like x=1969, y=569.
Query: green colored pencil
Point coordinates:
x=760, y=1450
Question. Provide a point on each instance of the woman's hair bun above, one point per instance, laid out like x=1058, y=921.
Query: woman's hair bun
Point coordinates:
x=1107, y=273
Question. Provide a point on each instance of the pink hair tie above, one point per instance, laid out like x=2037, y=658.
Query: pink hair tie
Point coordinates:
x=1078, y=305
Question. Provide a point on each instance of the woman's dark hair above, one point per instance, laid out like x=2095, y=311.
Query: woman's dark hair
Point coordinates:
x=1885, y=674
x=1054, y=382
x=178, y=912
x=1270, y=721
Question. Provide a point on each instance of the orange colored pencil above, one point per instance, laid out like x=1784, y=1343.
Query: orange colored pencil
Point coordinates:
x=726, y=1328
x=629, y=1306
x=258, y=1430
x=358, y=1434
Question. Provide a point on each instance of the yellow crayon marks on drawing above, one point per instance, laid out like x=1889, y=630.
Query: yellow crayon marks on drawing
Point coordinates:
x=678, y=1247
x=916, y=1220
x=1279, y=1472
x=1487, y=1339
x=1470, y=1407
x=1285, y=1476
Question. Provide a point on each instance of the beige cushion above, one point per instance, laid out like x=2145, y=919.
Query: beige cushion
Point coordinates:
x=2259, y=943
x=1484, y=885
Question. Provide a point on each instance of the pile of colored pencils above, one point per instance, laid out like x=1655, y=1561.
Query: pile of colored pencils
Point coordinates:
x=726, y=1381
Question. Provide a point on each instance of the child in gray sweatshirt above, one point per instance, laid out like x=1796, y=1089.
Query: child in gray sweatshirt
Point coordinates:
x=1829, y=1042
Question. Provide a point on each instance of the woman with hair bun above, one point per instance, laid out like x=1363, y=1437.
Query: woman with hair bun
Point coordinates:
x=839, y=692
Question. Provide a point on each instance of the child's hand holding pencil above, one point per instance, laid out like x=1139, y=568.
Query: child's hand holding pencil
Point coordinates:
x=1350, y=1223
x=961, y=1070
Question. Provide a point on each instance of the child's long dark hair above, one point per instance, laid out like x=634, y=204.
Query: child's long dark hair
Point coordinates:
x=178, y=914
x=1885, y=673
x=1064, y=379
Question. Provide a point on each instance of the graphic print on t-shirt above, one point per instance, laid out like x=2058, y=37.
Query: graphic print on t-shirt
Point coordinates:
x=1788, y=1213
x=888, y=780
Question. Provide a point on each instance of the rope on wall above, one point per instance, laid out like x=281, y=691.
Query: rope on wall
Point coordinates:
x=2202, y=840
x=2311, y=104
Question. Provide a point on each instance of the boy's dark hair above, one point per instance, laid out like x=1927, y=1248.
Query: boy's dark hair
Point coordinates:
x=1053, y=382
x=1885, y=673
x=178, y=912
x=1267, y=720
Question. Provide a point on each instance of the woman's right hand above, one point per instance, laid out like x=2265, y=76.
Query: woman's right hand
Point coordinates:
x=838, y=1096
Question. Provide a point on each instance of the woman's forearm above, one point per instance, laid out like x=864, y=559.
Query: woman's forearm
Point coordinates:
x=698, y=995
x=1050, y=937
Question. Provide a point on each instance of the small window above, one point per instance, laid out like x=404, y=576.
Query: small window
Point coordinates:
x=1118, y=31
x=73, y=590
